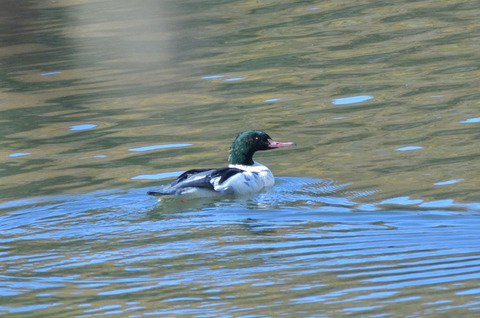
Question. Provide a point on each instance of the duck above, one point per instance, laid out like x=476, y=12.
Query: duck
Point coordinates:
x=242, y=176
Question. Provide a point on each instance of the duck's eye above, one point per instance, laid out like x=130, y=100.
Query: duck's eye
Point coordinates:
x=256, y=138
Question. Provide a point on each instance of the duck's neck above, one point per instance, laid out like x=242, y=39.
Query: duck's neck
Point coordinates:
x=239, y=156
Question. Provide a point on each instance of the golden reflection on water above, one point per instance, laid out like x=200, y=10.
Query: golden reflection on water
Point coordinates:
x=142, y=76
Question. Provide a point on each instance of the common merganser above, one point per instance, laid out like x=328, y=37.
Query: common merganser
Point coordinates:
x=242, y=176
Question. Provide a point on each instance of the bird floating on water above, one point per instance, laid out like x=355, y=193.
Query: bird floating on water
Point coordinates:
x=242, y=176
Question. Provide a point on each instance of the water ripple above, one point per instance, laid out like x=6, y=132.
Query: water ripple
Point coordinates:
x=379, y=216
x=351, y=100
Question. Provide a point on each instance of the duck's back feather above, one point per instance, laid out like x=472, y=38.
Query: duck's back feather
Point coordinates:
x=207, y=179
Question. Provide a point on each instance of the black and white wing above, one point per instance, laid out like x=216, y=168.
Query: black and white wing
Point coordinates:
x=199, y=179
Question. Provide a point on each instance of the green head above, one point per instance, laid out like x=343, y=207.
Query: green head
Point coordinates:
x=248, y=142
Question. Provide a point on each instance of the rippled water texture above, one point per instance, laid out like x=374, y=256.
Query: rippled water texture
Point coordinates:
x=375, y=212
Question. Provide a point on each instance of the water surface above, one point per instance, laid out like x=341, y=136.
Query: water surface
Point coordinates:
x=374, y=213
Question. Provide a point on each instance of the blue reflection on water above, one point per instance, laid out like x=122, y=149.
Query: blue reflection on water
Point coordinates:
x=19, y=154
x=154, y=147
x=234, y=79
x=471, y=120
x=28, y=308
x=50, y=73
x=162, y=175
x=439, y=204
x=271, y=100
x=351, y=100
x=382, y=252
x=453, y=181
x=473, y=291
x=96, y=156
x=82, y=127
x=401, y=201
x=408, y=148
x=213, y=76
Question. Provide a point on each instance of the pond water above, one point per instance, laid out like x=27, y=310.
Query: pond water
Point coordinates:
x=375, y=213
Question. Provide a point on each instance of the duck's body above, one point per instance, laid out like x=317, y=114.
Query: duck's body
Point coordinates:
x=242, y=176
